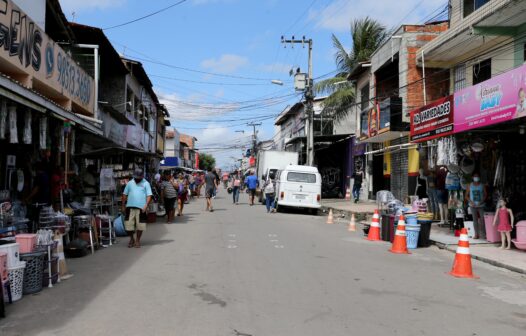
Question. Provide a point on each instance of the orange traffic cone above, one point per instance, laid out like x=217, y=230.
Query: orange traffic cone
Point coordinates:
x=348, y=194
x=352, y=224
x=462, y=264
x=400, y=240
x=374, y=229
x=330, y=219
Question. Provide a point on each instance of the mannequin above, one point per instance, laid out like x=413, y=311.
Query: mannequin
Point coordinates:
x=421, y=185
x=476, y=196
x=432, y=194
x=442, y=194
x=505, y=217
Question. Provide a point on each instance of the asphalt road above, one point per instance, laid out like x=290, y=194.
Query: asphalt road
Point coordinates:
x=240, y=271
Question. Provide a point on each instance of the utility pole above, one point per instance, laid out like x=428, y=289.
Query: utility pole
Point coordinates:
x=309, y=98
x=254, y=137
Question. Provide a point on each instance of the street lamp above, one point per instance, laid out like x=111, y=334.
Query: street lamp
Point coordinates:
x=240, y=131
x=277, y=82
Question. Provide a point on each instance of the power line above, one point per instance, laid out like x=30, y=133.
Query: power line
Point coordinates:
x=145, y=16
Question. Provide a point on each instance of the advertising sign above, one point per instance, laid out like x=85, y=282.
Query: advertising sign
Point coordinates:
x=496, y=100
x=433, y=120
x=38, y=62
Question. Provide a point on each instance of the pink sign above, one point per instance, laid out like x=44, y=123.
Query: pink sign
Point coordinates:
x=496, y=100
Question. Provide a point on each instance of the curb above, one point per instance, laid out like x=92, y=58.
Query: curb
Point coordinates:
x=346, y=213
x=479, y=258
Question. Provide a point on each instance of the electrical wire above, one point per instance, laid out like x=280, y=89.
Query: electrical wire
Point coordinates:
x=145, y=16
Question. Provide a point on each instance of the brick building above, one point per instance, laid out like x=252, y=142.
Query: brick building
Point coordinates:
x=388, y=88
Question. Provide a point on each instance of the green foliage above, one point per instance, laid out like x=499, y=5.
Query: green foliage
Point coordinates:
x=206, y=161
x=367, y=35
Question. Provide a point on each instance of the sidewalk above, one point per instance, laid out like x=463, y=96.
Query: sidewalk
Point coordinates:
x=361, y=209
x=491, y=253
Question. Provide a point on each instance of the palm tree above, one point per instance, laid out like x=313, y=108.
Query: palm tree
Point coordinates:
x=367, y=35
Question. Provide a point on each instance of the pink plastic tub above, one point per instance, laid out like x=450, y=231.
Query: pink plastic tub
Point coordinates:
x=492, y=235
x=27, y=241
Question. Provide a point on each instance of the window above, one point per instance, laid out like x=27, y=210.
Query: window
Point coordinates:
x=472, y=5
x=364, y=94
x=301, y=177
x=460, y=77
x=482, y=71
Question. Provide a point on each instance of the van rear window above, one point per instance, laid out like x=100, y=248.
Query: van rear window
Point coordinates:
x=301, y=177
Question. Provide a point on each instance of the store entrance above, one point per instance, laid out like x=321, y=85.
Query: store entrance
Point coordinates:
x=378, y=173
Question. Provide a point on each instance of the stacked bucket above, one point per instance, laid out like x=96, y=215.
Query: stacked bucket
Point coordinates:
x=412, y=230
x=14, y=283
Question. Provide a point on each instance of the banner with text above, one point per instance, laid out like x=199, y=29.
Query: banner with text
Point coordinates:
x=496, y=100
x=433, y=120
x=31, y=57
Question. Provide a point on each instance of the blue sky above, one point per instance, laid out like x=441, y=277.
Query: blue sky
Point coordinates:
x=233, y=49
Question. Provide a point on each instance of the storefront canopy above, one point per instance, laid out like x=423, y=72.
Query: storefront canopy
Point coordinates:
x=113, y=151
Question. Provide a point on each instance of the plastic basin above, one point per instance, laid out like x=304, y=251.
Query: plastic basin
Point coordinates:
x=519, y=245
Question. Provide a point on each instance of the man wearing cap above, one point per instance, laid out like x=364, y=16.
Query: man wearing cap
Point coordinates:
x=135, y=199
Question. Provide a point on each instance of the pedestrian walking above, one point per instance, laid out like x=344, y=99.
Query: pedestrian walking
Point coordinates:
x=252, y=183
x=199, y=181
x=182, y=193
x=191, y=181
x=357, y=186
x=169, y=195
x=236, y=186
x=217, y=182
x=136, y=197
x=211, y=183
x=270, y=194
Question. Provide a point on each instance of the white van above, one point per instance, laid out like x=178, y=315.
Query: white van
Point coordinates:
x=299, y=187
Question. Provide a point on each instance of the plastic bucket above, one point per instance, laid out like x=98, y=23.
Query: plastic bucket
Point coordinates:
x=13, y=254
x=412, y=233
x=425, y=232
x=411, y=220
x=33, y=272
x=16, y=282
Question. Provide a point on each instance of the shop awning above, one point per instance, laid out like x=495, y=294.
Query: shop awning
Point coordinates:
x=394, y=148
x=385, y=136
x=32, y=99
x=115, y=150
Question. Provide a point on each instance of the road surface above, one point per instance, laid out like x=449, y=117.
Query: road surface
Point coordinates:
x=241, y=271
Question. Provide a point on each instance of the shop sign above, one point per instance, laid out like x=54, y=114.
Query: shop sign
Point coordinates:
x=371, y=123
x=25, y=50
x=433, y=120
x=499, y=99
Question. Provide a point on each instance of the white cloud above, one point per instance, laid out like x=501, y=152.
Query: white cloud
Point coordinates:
x=338, y=15
x=226, y=63
x=70, y=6
x=191, y=108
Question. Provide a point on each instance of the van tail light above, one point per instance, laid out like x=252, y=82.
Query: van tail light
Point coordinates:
x=282, y=196
x=318, y=198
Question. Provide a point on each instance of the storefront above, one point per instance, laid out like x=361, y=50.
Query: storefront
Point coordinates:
x=389, y=159
x=479, y=132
